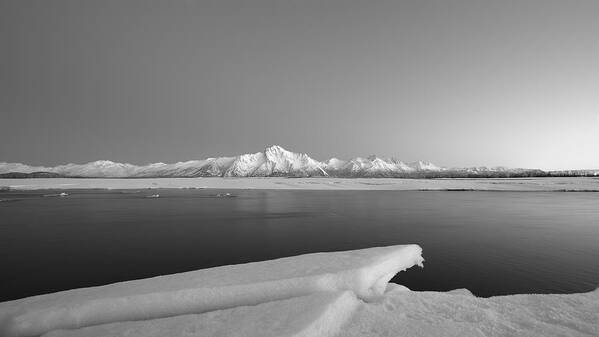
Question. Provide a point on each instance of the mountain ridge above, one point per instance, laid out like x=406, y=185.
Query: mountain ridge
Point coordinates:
x=273, y=161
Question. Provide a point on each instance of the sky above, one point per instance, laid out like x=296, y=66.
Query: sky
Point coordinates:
x=458, y=83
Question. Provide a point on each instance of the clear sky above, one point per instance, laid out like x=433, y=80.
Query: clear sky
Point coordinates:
x=459, y=83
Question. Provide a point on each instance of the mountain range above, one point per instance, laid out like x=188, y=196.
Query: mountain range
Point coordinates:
x=274, y=161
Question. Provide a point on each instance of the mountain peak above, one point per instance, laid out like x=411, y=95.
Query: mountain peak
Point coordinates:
x=275, y=148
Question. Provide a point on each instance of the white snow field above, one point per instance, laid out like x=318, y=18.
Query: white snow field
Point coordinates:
x=399, y=312
x=582, y=184
x=366, y=272
x=320, y=314
x=460, y=314
x=342, y=294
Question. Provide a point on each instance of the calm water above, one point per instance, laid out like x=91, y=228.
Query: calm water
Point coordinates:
x=492, y=243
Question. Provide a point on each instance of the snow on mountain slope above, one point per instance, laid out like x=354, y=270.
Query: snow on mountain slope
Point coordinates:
x=424, y=166
x=217, y=166
x=248, y=165
x=357, y=165
x=382, y=167
x=374, y=166
x=273, y=161
x=100, y=168
x=21, y=168
x=285, y=162
x=403, y=167
x=211, y=167
x=335, y=164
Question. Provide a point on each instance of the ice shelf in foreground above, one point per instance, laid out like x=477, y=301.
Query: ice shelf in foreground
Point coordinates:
x=320, y=314
x=366, y=272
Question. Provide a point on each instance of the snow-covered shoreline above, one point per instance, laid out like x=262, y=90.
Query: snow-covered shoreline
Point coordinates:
x=365, y=272
x=483, y=184
x=321, y=294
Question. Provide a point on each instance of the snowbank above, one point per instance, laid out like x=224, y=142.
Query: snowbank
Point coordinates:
x=399, y=312
x=320, y=314
x=460, y=314
x=365, y=272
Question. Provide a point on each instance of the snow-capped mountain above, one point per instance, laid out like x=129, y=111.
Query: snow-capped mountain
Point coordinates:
x=374, y=166
x=273, y=161
x=100, y=168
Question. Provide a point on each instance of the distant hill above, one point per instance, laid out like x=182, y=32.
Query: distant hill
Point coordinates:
x=18, y=175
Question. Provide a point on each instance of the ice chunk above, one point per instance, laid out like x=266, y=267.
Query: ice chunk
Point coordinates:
x=320, y=314
x=366, y=272
x=413, y=313
x=460, y=291
x=395, y=287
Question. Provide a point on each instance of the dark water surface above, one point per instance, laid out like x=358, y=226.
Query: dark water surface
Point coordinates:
x=492, y=243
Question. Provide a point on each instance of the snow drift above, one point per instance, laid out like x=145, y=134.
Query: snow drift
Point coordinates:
x=365, y=272
x=460, y=314
x=320, y=314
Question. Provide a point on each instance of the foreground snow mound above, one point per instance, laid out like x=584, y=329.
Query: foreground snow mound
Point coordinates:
x=321, y=314
x=366, y=272
x=459, y=313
